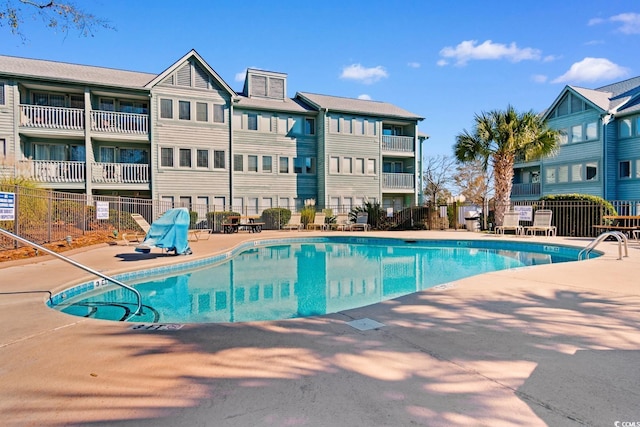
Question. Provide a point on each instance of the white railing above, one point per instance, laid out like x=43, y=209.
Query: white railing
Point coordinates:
x=119, y=173
x=39, y=116
x=397, y=143
x=529, y=189
x=110, y=121
x=54, y=170
x=401, y=181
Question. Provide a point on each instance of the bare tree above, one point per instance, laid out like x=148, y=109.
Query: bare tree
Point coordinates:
x=438, y=177
x=474, y=182
x=57, y=15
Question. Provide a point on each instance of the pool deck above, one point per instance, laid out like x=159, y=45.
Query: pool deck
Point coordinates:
x=555, y=345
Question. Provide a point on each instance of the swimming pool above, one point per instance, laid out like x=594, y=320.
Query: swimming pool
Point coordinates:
x=289, y=278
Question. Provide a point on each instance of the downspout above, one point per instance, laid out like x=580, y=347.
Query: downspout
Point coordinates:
x=233, y=101
x=604, y=118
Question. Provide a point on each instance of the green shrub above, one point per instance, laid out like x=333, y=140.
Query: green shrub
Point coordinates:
x=193, y=219
x=307, y=215
x=276, y=218
x=376, y=216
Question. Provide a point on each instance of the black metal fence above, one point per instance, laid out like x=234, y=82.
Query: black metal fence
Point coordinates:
x=48, y=216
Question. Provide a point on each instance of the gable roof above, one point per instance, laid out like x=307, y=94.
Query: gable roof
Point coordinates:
x=616, y=98
x=11, y=66
x=356, y=106
x=191, y=54
x=284, y=105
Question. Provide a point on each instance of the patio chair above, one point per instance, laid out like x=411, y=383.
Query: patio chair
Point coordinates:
x=137, y=236
x=362, y=222
x=342, y=222
x=318, y=222
x=541, y=222
x=511, y=221
x=295, y=222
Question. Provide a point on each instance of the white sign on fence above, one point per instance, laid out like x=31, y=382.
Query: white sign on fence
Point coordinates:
x=526, y=212
x=102, y=210
x=7, y=206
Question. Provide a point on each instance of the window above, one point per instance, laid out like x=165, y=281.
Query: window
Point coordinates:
x=360, y=166
x=252, y=121
x=2, y=101
x=346, y=125
x=184, y=110
x=298, y=164
x=237, y=163
x=591, y=171
x=3, y=148
x=218, y=160
x=202, y=158
x=576, y=133
x=637, y=168
x=252, y=163
x=624, y=129
x=166, y=109
x=134, y=155
x=218, y=113
x=637, y=125
x=185, y=157
x=135, y=107
x=371, y=166
x=310, y=165
x=563, y=174
x=624, y=169
x=284, y=165
x=576, y=173
x=550, y=176
x=75, y=101
x=309, y=126
x=347, y=165
x=202, y=114
x=591, y=131
x=334, y=164
x=267, y=164
x=166, y=157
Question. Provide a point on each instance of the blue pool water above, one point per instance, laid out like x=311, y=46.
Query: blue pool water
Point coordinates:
x=299, y=278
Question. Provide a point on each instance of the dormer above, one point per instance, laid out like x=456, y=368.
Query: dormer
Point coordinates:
x=265, y=84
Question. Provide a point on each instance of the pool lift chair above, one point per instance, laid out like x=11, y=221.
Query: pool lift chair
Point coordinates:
x=169, y=232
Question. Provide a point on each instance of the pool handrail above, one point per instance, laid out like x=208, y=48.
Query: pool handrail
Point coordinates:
x=619, y=236
x=81, y=266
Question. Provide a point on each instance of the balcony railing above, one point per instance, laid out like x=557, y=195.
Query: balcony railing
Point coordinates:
x=397, y=143
x=110, y=121
x=398, y=181
x=530, y=189
x=54, y=171
x=119, y=173
x=39, y=116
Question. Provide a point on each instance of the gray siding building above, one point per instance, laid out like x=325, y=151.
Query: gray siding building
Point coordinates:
x=185, y=137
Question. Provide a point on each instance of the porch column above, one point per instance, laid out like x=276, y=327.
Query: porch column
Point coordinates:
x=88, y=155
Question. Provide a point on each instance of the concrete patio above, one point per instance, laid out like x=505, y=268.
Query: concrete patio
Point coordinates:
x=555, y=345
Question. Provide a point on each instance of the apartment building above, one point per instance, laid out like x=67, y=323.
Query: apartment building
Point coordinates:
x=185, y=136
x=599, y=147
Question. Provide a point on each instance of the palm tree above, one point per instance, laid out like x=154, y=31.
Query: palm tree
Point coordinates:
x=501, y=137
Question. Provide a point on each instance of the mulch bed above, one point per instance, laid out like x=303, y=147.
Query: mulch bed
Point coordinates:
x=88, y=239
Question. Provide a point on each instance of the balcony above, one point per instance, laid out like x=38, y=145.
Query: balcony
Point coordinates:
x=526, y=190
x=397, y=144
x=39, y=116
x=398, y=181
x=62, y=172
x=119, y=173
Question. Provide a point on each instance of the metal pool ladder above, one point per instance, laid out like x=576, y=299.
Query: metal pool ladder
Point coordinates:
x=620, y=237
x=80, y=266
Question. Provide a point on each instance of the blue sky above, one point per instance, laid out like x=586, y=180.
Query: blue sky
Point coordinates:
x=445, y=61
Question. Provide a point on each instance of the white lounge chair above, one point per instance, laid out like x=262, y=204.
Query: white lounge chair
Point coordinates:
x=362, y=222
x=541, y=222
x=342, y=222
x=318, y=222
x=295, y=222
x=511, y=221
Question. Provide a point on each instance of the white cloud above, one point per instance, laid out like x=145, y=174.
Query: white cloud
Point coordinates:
x=364, y=75
x=241, y=75
x=365, y=97
x=629, y=22
x=442, y=62
x=591, y=70
x=551, y=58
x=470, y=50
x=594, y=42
x=413, y=64
x=539, y=78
